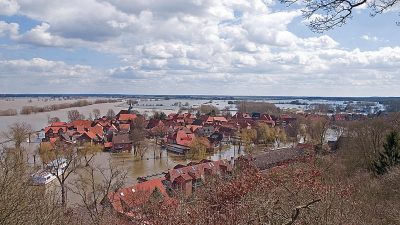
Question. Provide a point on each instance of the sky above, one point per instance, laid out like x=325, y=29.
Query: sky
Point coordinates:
x=193, y=47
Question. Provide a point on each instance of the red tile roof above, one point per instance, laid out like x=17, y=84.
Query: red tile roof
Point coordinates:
x=98, y=130
x=83, y=123
x=220, y=119
x=55, y=129
x=127, y=117
x=80, y=129
x=136, y=195
x=91, y=135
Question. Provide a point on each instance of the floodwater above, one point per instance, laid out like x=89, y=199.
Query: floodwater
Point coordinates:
x=134, y=167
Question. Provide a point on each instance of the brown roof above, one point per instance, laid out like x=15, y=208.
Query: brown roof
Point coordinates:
x=121, y=139
x=183, y=177
x=196, y=171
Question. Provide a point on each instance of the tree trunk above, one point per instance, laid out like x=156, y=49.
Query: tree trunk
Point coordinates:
x=63, y=195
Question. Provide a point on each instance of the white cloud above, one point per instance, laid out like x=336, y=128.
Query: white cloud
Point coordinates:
x=8, y=29
x=8, y=7
x=41, y=36
x=369, y=38
x=38, y=75
x=214, y=44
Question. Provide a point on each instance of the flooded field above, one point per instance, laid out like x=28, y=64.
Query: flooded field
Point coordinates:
x=39, y=120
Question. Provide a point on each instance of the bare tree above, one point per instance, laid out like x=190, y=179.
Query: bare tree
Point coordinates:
x=317, y=128
x=52, y=119
x=364, y=142
x=137, y=133
x=19, y=199
x=88, y=151
x=209, y=110
x=265, y=134
x=110, y=114
x=198, y=148
x=280, y=135
x=159, y=132
x=96, y=113
x=93, y=186
x=75, y=115
x=18, y=133
x=66, y=162
x=141, y=148
x=324, y=15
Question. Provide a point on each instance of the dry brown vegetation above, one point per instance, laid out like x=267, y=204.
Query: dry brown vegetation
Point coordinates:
x=20, y=202
x=8, y=112
x=26, y=110
x=260, y=107
x=210, y=110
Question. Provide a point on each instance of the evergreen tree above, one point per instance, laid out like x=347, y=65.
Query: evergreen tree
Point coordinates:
x=391, y=154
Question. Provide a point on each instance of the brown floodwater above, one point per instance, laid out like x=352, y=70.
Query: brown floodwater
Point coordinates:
x=134, y=167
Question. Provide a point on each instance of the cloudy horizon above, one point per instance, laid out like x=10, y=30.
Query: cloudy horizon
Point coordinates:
x=192, y=47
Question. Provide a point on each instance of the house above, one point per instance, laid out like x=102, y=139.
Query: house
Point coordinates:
x=82, y=123
x=55, y=129
x=103, y=122
x=180, y=141
x=285, y=119
x=154, y=123
x=97, y=130
x=188, y=118
x=215, y=138
x=183, y=183
x=219, y=119
x=129, y=201
x=121, y=143
x=227, y=131
x=88, y=136
x=241, y=116
x=266, y=118
x=188, y=178
x=205, y=131
x=126, y=118
x=198, y=122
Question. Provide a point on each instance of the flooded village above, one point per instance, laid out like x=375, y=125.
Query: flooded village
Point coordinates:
x=170, y=144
